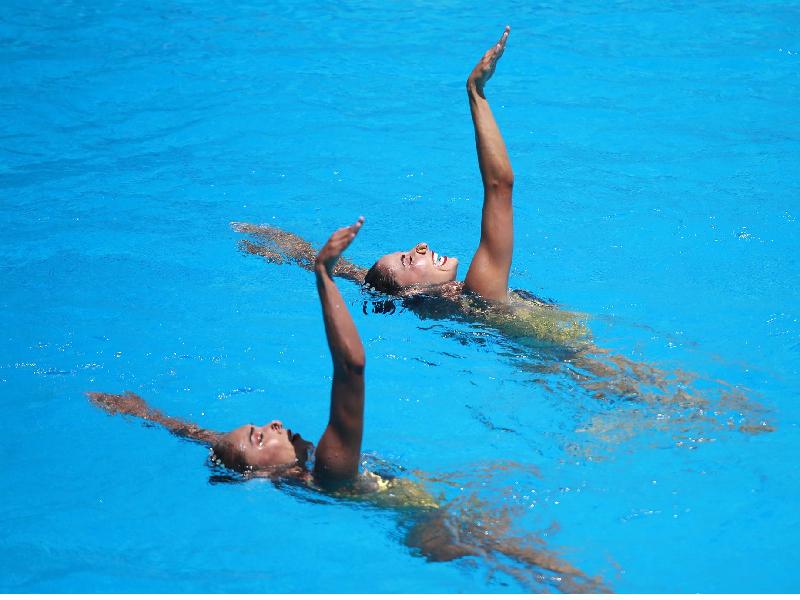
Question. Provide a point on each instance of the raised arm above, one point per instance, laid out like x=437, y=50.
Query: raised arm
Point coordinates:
x=339, y=449
x=488, y=272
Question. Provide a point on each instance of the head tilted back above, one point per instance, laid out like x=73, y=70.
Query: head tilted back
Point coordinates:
x=381, y=278
x=225, y=454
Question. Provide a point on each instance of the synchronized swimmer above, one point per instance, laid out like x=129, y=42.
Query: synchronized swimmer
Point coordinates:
x=332, y=466
x=425, y=282
x=442, y=532
x=422, y=273
x=415, y=270
x=272, y=450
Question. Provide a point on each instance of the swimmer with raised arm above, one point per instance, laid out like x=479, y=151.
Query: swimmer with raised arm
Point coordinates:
x=339, y=449
x=421, y=274
x=420, y=270
x=272, y=450
x=440, y=531
x=425, y=283
x=413, y=271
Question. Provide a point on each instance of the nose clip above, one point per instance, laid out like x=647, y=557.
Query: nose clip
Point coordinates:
x=421, y=248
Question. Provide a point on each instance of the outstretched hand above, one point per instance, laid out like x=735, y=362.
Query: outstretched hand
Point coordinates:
x=330, y=253
x=116, y=404
x=484, y=70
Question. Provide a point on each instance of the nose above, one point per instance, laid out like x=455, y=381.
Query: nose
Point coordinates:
x=276, y=425
x=421, y=248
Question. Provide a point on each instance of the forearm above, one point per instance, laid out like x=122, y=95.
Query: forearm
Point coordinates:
x=347, y=351
x=493, y=160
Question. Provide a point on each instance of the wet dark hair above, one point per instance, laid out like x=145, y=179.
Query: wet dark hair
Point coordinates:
x=226, y=454
x=229, y=466
x=381, y=279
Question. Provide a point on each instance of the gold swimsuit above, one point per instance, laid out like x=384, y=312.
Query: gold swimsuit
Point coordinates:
x=382, y=491
x=525, y=316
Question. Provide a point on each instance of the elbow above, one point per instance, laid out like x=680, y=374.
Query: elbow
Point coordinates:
x=357, y=364
x=503, y=180
x=356, y=361
x=507, y=179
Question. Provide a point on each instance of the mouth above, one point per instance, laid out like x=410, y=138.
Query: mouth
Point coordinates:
x=438, y=261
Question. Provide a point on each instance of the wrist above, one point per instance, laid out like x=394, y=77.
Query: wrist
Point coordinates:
x=474, y=90
x=321, y=269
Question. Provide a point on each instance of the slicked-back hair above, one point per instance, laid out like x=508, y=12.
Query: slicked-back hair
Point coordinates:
x=230, y=455
x=381, y=279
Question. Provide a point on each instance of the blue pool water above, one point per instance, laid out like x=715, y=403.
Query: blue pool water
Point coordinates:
x=655, y=147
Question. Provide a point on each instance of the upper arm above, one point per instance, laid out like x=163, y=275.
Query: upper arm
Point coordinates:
x=339, y=449
x=488, y=272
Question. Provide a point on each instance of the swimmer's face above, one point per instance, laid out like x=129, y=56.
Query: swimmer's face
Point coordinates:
x=420, y=265
x=267, y=446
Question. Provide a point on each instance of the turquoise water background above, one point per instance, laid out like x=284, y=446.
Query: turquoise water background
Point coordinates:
x=655, y=147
